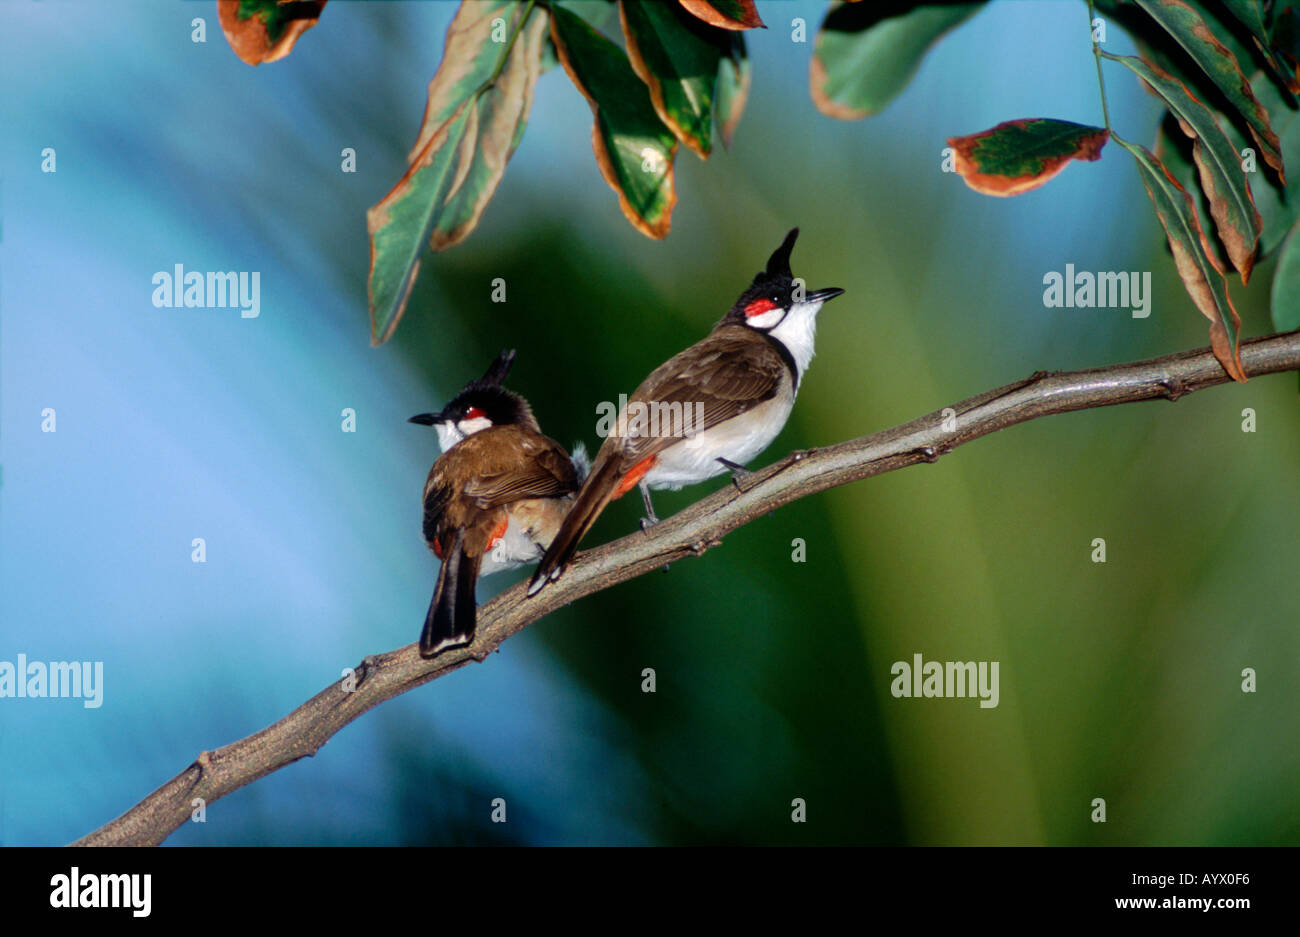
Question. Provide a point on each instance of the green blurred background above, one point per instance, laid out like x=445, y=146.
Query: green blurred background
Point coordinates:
x=1119, y=680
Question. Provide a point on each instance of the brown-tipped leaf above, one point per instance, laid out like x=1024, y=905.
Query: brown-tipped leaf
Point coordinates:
x=265, y=30
x=677, y=56
x=1174, y=149
x=633, y=148
x=1219, y=166
x=1190, y=30
x=1205, y=284
x=1020, y=155
x=469, y=134
x=725, y=14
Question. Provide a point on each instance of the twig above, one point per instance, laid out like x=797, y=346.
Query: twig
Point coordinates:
x=692, y=532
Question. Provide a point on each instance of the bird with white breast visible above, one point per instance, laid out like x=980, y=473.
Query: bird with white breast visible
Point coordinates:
x=725, y=399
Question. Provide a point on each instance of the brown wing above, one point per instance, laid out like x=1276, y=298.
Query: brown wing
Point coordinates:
x=731, y=371
x=471, y=483
x=514, y=464
x=438, y=493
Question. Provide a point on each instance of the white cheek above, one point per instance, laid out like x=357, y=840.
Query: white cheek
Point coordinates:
x=765, y=320
x=448, y=435
x=470, y=427
x=797, y=332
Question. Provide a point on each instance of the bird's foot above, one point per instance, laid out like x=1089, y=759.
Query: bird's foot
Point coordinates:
x=740, y=476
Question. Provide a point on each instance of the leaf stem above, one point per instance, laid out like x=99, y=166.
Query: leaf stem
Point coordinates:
x=1101, y=81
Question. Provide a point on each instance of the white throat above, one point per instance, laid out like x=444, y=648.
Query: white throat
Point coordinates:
x=451, y=433
x=797, y=331
x=448, y=435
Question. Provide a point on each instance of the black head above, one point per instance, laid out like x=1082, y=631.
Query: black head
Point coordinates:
x=775, y=291
x=482, y=403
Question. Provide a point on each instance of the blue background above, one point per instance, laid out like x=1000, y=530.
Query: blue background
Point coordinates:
x=1119, y=681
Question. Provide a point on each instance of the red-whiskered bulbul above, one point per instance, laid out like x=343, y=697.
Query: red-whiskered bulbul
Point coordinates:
x=494, y=499
x=731, y=392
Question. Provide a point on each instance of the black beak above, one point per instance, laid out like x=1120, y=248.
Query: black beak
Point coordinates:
x=427, y=419
x=823, y=295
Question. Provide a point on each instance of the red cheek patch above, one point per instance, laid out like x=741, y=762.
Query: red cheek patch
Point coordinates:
x=759, y=306
x=474, y=413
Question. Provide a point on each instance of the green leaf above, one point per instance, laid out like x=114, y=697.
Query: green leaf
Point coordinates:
x=597, y=13
x=1190, y=30
x=633, y=148
x=1020, y=155
x=1276, y=202
x=725, y=14
x=1222, y=178
x=401, y=223
x=1250, y=13
x=677, y=57
x=866, y=53
x=735, y=74
x=1286, y=285
x=470, y=131
x=1285, y=36
x=1206, y=285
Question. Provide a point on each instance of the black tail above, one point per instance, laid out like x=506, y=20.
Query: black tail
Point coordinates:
x=450, y=622
x=596, y=492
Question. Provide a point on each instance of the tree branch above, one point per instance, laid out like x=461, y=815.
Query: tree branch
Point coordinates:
x=689, y=533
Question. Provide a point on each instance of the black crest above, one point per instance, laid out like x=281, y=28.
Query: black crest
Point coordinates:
x=497, y=371
x=775, y=283
x=779, y=263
